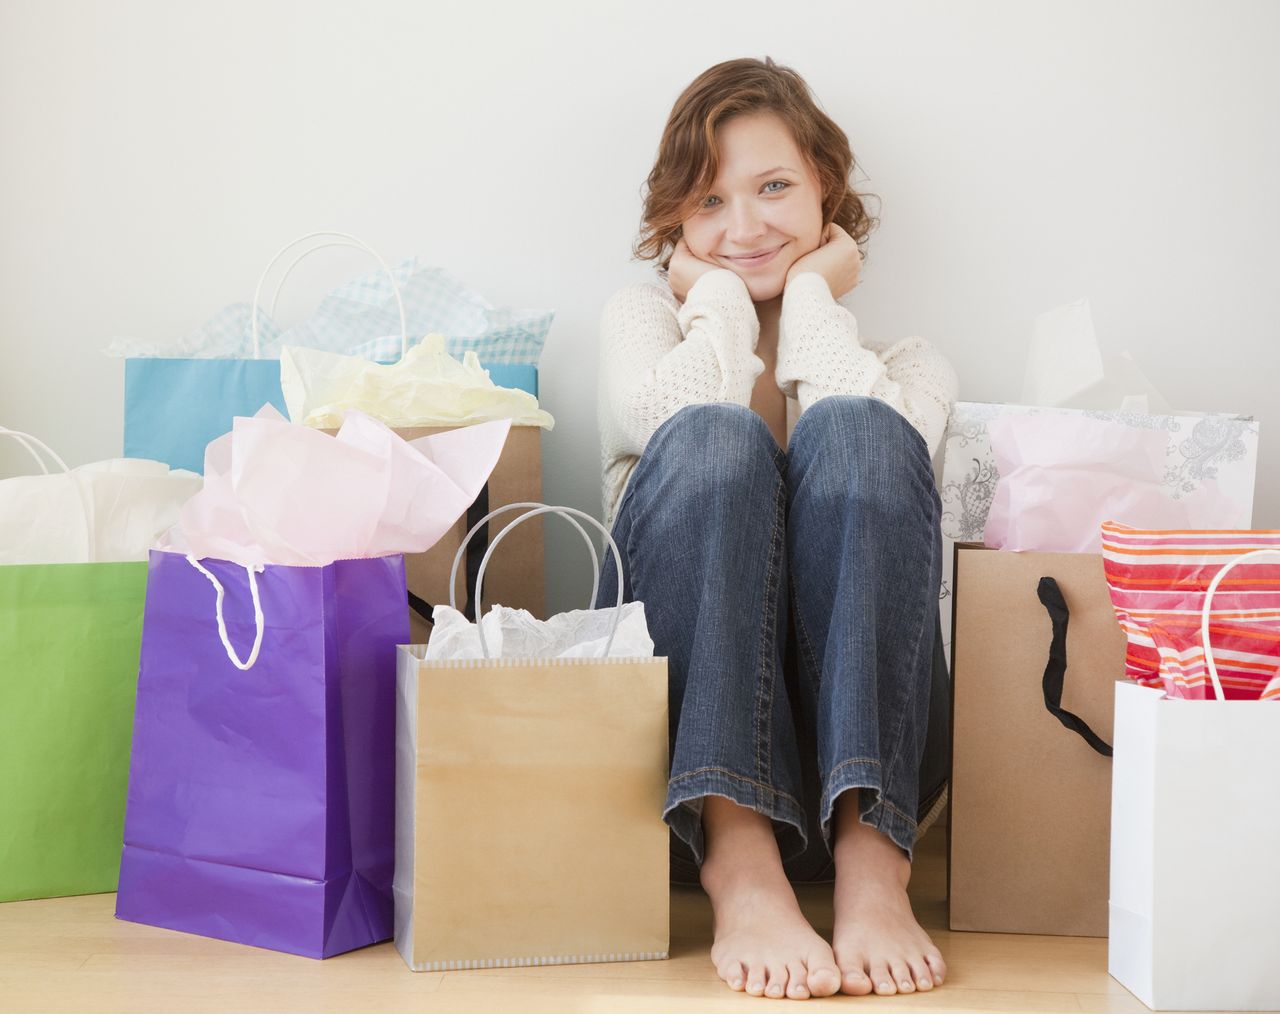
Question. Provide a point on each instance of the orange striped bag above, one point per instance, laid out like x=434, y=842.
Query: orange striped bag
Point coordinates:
x=1158, y=581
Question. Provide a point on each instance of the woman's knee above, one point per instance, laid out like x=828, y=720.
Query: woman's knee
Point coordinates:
x=846, y=448
x=717, y=444
x=863, y=422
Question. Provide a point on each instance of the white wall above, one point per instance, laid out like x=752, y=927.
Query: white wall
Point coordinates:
x=155, y=153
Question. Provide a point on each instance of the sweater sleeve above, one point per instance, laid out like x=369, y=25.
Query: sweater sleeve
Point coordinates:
x=819, y=354
x=656, y=359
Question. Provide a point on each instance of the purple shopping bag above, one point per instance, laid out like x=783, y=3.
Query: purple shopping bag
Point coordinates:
x=262, y=779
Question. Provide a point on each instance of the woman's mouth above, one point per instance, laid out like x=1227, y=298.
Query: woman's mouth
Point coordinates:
x=755, y=262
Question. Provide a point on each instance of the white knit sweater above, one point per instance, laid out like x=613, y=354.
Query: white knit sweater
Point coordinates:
x=659, y=356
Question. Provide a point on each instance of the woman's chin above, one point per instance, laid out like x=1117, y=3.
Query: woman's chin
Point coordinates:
x=764, y=289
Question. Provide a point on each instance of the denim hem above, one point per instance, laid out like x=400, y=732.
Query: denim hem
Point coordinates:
x=880, y=813
x=683, y=808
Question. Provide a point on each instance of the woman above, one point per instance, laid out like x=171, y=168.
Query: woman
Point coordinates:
x=746, y=554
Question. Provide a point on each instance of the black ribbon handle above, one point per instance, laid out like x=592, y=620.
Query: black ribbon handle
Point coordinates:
x=1055, y=670
x=475, y=553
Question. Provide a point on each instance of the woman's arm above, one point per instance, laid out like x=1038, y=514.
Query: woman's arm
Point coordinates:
x=819, y=354
x=653, y=362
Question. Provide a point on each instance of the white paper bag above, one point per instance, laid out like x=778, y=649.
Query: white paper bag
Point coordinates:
x=1195, y=836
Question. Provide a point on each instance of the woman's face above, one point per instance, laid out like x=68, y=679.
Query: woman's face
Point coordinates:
x=765, y=199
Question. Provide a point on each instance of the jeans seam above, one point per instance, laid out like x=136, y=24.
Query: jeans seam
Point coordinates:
x=806, y=647
x=768, y=642
x=685, y=775
x=880, y=796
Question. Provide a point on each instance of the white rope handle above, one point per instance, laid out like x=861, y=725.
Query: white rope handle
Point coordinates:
x=259, y=625
x=30, y=443
x=563, y=512
x=1204, y=613
x=336, y=239
x=466, y=539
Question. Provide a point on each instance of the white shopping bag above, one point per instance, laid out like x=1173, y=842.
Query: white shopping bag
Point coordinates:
x=1195, y=835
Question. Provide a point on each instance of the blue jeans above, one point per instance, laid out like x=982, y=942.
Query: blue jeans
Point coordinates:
x=795, y=595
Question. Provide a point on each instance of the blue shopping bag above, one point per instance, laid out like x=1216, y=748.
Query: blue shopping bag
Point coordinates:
x=175, y=406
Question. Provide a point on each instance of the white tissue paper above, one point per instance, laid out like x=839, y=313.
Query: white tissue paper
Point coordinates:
x=105, y=512
x=517, y=633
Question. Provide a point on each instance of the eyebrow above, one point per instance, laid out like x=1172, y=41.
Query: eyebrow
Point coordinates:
x=775, y=169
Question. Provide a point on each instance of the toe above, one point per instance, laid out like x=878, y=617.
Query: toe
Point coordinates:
x=921, y=975
x=823, y=978
x=881, y=978
x=733, y=974
x=755, y=980
x=797, y=988
x=775, y=982
x=853, y=979
x=902, y=977
x=938, y=967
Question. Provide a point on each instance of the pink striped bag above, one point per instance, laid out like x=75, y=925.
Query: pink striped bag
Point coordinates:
x=1158, y=582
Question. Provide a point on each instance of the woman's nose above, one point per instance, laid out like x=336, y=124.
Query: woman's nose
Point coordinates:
x=745, y=224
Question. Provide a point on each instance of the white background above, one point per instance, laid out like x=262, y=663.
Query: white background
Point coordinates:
x=155, y=154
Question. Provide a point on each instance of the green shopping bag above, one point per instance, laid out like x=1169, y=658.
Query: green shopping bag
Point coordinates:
x=70, y=634
x=69, y=644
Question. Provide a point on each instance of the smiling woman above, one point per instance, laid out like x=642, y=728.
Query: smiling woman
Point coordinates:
x=709, y=147
x=793, y=591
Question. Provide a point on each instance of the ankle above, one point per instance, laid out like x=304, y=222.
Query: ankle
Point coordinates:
x=871, y=853
x=741, y=849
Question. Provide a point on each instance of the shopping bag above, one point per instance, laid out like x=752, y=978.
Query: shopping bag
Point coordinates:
x=529, y=799
x=1198, y=451
x=1195, y=887
x=1035, y=654
x=1159, y=583
x=1063, y=474
x=261, y=789
x=69, y=636
x=262, y=779
x=516, y=577
x=176, y=404
x=72, y=577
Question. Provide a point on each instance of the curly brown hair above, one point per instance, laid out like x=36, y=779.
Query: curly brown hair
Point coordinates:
x=688, y=159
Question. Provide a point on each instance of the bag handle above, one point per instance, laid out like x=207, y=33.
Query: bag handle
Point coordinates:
x=1055, y=670
x=335, y=239
x=259, y=624
x=1204, y=614
x=30, y=444
x=563, y=512
x=457, y=557
x=568, y=513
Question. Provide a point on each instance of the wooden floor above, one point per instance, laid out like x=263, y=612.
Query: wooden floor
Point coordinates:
x=70, y=954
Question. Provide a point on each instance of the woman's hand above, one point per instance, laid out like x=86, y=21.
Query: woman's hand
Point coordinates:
x=685, y=269
x=837, y=259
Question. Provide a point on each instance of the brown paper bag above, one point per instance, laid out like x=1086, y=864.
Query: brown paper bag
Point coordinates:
x=529, y=798
x=1030, y=797
x=515, y=577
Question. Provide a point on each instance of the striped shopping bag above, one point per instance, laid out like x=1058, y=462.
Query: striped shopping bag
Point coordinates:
x=1158, y=582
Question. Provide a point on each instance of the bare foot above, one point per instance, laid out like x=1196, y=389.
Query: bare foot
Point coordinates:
x=763, y=943
x=878, y=944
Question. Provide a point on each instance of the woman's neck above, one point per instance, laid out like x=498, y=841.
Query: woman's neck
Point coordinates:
x=769, y=310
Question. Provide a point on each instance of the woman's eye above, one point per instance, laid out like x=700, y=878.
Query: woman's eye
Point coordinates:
x=706, y=205
x=781, y=183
